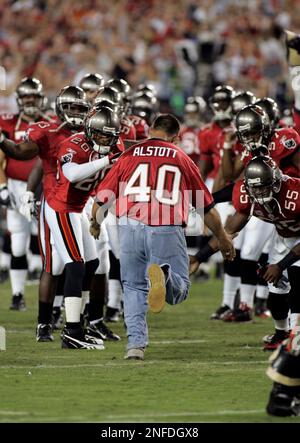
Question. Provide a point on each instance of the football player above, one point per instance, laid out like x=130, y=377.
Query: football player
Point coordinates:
x=91, y=84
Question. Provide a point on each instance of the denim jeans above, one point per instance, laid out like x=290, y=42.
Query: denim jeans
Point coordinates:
x=140, y=246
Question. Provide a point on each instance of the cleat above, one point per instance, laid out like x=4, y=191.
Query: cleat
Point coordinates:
x=284, y=401
x=157, y=291
x=57, y=319
x=100, y=330
x=18, y=302
x=240, y=315
x=135, y=354
x=220, y=312
x=76, y=339
x=292, y=43
x=271, y=342
x=112, y=315
x=44, y=333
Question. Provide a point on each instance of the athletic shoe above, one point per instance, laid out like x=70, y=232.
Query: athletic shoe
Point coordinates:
x=44, y=333
x=220, y=312
x=100, y=330
x=261, y=309
x=112, y=315
x=157, y=291
x=284, y=401
x=76, y=339
x=240, y=315
x=135, y=354
x=18, y=302
x=271, y=342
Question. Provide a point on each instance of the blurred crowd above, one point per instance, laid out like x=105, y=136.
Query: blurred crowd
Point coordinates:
x=182, y=47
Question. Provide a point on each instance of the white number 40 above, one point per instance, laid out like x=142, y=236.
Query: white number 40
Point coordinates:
x=138, y=184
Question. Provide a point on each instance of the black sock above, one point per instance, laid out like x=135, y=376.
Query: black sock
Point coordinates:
x=45, y=312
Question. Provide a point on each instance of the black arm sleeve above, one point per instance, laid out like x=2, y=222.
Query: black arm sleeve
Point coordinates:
x=224, y=195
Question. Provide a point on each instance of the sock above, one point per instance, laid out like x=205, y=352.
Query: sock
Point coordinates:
x=114, y=294
x=17, y=280
x=58, y=301
x=247, y=294
x=72, y=309
x=262, y=292
x=231, y=285
x=282, y=325
x=84, y=299
x=45, y=313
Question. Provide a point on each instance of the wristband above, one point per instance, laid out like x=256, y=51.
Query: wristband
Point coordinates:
x=227, y=145
x=288, y=260
x=204, y=253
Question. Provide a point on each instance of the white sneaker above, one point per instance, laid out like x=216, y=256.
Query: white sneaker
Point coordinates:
x=135, y=354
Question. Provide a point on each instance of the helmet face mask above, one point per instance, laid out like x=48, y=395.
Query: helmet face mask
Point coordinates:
x=253, y=127
x=72, y=106
x=221, y=103
x=30, y=97
x=102, y=128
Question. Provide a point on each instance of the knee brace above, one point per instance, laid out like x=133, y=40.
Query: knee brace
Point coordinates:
x=248, y=272
x=294, y=279
x=114, y=272
x=89, y=272
x=278, y=305
x=233, y=268
x=18, y=262
x=74, y=279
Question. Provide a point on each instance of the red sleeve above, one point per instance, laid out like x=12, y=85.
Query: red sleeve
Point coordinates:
x=108, y=189
x=199, y=201
x=205, y=151
x=35, y=134
x=296, y=116
x=6, y=124
x=289, y=139
x=240, y=198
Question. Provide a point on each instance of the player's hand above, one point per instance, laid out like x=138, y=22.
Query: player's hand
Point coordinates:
x=2, y=136
x=194, y=264
x=226, y=247
x=113, y=158
x=4, y=195
x=273, y=274
x=229, y=135
x=95, y=229
x=27, y=207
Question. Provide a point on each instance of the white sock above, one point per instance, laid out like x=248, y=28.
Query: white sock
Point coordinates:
x=295, y=83
x=247, y=294
x=262, y=292
x=72, y=309
x=5, y=260
x=17, y=280
x=231, y=284
x=293, y=319
x=58, y=301
x=114, y=294
x=35, y=263
x=282, y=325
x=84, y=299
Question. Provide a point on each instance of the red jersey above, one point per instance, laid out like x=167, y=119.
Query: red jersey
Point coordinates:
x=296, y=117
x=15, y=129
x=155, y=182
x=127, y=130
x=287, y=222
x=190, y=143
x=48, y=138
x=282, y=147
x=72, y=197
x=211, y=141
x=141, y=127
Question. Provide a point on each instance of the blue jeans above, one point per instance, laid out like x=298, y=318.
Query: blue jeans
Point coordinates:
x=140, y=246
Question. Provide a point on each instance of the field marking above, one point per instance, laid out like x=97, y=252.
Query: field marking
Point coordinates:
x=144, y=363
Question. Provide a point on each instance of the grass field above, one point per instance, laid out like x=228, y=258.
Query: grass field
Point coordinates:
x=196, y=370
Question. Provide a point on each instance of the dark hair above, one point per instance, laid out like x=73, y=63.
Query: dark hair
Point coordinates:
x=167, y=123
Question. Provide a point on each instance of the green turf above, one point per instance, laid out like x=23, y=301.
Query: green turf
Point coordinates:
x=196, y=370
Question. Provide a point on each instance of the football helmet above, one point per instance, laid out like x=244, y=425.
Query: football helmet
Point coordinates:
x=194, y=110
x=102, y=128
x=262, y=179
x=147, y=87
x=124, y=89
x=221, y=103
x=30, y=96
x=271, y=108
x=112, y=95
x=253, y=127
x=71, y=106
x=144, y=105
x=242, y=99
x=92, y=82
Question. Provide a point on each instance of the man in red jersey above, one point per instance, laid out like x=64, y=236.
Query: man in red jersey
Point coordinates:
x=30, y=99
x=270, y=196
x=43, y=140
x=83, y=161
x=157, y=181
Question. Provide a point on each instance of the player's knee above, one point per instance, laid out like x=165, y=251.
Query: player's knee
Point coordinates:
x=248, y=272
x=233, y=268
x=278, y=305
x=74, y=279
x=18, y=262
x=90, y=269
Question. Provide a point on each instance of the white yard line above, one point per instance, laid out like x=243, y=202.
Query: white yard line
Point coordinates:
x=185, y=414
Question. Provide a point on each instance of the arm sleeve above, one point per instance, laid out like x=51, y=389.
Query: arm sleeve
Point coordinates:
x=224, y=194
x=74, y=172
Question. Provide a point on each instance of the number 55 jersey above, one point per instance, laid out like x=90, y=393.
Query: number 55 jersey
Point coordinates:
x=285, y=217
